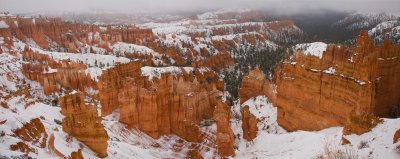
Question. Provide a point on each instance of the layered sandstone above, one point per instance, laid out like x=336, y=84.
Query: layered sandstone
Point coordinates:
x=225, y=136
x=172, y=104
x=82, y=122
x=344, y=86
x=33, y=132
x=70, y=36
x=249, y=124
x=64, y=74
x=254, y=84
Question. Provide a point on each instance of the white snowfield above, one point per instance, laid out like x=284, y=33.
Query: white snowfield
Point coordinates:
x=132, y=48
x=314, y=49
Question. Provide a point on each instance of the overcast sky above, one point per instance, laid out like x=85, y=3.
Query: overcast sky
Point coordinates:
x=290, y=6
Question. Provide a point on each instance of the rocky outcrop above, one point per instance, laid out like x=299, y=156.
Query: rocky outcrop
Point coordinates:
x=111, y=83
x=225, y=136
x=249, y=124
x=76, y=155
x=64, y=74
x=396, y=136
x=82, y=122
x=343, y=86
x=22, y=147
x=173, y=104
x=194, y=154
x=33, y=132
x=254, y=84
x=55, y=34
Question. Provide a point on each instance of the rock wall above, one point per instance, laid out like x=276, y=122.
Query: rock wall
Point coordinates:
x=53, y=33
x=111, y=83
x=68, y=75
x=314, y=93
x=82, y=122
x=171, y=104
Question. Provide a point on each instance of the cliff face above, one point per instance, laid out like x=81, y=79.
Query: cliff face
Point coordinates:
x=111, y=83
x=70, y=36
x=314, y=93
x=82, y=122
x=171, y=104
x=249, y=124
x=225, y=136
x=64, y=74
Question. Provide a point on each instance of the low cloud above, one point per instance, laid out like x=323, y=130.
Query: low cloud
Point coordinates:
x=131, y=6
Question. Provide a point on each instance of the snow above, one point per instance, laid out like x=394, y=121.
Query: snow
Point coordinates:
x=330, y=70
x=10, y=72
x=3, y=24
x=132, y=143
x=380, y=140
x=17, y=114
x=314, y=49
x=132, y=48
x=382, y=26
x=364, y=20
x=152, y=72
x=94, y=61
x=310, y=144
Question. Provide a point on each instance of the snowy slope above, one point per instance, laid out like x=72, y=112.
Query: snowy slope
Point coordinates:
x=303, y=144
x=359, y=21
x=315, y=49
x=386, y=30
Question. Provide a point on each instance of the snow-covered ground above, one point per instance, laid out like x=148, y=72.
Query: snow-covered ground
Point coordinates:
x=315, y=48
x=377, y=143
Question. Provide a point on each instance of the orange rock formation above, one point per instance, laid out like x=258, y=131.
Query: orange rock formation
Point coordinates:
x=254, y=84
x=33, y=132
x=345, y=85
x=81, y=121
x=249, y=124
x=68, y=75
x=225, y=136
x=396, y=136
x=171, y=104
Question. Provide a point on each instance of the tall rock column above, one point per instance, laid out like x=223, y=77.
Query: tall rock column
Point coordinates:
x=249, y=124
x=225, y=136
x=81, y=121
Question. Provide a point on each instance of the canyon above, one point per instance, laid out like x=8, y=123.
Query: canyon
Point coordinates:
x=157, y=89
